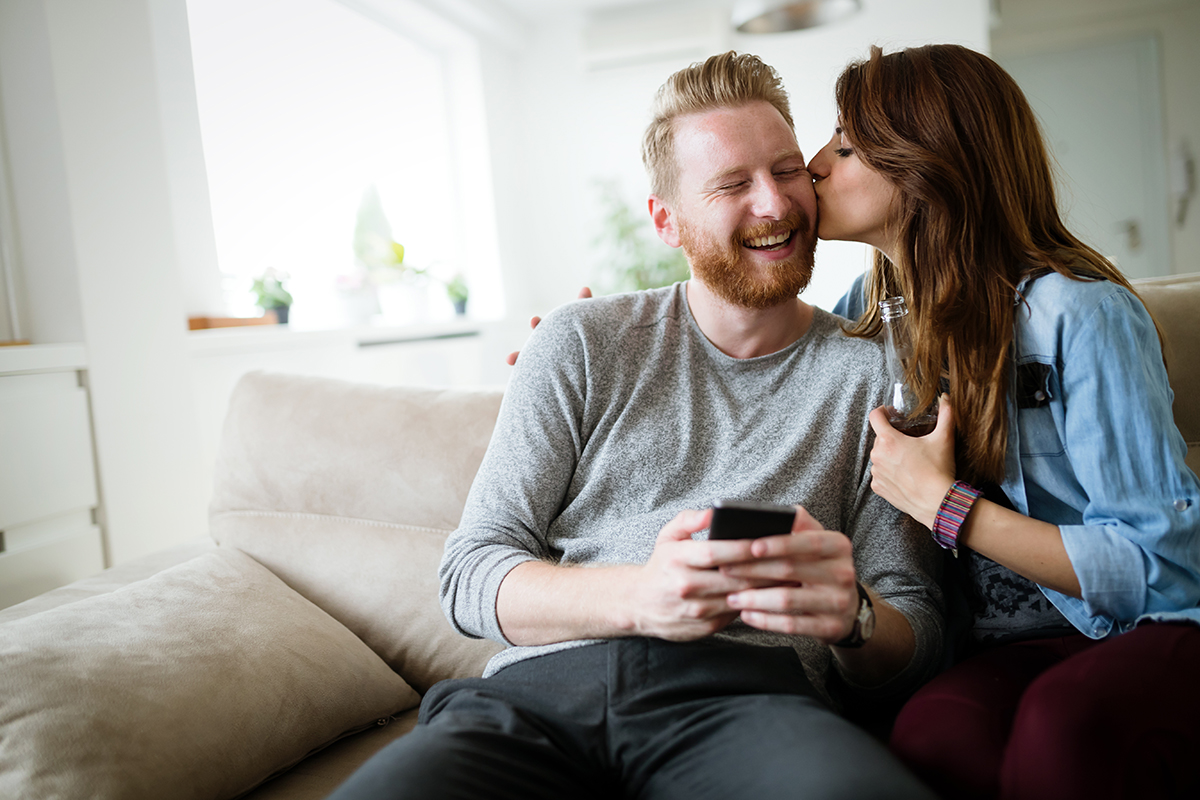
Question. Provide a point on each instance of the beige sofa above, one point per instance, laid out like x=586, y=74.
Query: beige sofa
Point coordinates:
x=278, y=657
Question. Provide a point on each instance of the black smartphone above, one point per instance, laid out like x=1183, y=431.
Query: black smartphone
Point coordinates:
x=736, y=519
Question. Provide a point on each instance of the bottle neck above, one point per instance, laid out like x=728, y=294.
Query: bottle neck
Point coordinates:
x=893, y=308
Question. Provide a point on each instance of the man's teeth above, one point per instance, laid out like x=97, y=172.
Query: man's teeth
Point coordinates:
x=769, y=241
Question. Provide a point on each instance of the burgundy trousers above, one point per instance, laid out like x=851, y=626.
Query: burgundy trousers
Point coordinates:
x=1062, y=718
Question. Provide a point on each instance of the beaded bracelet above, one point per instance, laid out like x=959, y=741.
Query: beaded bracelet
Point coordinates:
x=952, y=513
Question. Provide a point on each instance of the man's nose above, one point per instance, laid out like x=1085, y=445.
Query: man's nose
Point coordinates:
x=770, y=201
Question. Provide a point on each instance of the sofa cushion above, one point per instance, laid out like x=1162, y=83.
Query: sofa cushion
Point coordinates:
x=347, y=492
x=321, y=446
x=110, y=579
x=1173, y=301
x=378, y=579
x=315, y=778
x=198, y=682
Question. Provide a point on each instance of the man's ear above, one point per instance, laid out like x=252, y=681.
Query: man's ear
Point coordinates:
x=664, y=221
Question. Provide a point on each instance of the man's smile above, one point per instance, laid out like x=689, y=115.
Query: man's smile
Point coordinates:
x=774, y=241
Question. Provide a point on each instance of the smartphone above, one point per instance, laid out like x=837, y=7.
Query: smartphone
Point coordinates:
x=736, y=519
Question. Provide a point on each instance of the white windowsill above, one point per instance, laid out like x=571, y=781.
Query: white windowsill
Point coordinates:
x=264, y=338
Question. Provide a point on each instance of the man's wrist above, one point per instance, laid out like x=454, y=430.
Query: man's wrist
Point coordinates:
x=864, y=621
x=542, y=603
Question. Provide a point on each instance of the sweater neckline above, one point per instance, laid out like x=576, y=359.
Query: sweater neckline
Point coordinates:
x=820, y=321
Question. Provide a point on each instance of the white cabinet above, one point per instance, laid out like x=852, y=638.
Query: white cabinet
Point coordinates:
x=48, y=491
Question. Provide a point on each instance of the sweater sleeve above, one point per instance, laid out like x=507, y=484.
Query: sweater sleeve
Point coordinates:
x=896, y=556
x=524, y=478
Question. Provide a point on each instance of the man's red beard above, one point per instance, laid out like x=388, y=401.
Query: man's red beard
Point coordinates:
x=724, y=268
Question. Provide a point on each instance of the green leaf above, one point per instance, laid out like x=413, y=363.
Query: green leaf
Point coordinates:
x=634, y=257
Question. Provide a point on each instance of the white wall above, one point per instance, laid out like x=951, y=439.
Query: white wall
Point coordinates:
x=115, y=153
x=191, y=216
x=48, y=292
x=1034, y=26
x=93, y=205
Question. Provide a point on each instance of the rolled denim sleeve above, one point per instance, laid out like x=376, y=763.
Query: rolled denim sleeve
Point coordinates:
x=854, y=301
x=1137, y=548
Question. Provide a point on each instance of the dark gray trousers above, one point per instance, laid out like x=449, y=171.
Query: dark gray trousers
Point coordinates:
x=635, y=718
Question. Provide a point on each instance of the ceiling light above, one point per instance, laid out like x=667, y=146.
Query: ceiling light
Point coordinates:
x=764, y=16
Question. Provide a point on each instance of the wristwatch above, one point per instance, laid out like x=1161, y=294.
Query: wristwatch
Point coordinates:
x=864, y=621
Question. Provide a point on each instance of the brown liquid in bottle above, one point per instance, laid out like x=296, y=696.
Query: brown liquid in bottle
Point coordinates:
x=898, y=350
x=912, y=427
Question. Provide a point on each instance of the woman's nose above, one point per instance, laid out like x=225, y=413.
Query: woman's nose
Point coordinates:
x=819, y=166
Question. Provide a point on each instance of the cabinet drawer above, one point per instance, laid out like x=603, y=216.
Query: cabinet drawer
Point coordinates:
x=26, y=573
x=46, y=464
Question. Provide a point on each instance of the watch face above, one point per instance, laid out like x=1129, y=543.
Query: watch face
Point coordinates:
x=866, y=621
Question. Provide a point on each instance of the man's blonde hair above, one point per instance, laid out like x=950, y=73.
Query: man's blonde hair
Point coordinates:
x=727, y=80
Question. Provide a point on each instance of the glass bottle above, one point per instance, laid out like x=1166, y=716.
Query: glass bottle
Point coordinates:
x=902, y=408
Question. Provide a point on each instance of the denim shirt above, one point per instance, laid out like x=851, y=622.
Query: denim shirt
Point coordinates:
x=1093, y=449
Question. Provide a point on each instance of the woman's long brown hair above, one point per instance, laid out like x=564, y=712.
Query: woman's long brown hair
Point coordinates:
x=976, y=214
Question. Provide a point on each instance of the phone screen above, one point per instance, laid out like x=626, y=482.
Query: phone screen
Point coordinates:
x=735, y=519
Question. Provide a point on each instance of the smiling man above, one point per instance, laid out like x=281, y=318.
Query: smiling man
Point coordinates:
x=643, y=659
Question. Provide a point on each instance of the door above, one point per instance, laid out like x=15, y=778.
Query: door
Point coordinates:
x=1101, y=111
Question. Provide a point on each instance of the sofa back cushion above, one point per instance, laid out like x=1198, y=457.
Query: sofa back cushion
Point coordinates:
x=347, y=492
x=1173, y=301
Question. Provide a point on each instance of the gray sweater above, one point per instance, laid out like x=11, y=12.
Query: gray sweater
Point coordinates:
x=620, y=413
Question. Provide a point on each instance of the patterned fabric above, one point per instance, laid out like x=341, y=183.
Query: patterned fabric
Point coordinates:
x=1005, y=606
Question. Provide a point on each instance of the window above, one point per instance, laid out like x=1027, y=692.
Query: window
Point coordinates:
x=306, y=107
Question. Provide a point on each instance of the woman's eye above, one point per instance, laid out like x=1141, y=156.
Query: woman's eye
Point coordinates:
x=843, y=152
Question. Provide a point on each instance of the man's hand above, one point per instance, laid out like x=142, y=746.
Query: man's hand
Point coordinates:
x=807, y=582
x=511, y=358
x=678, y=593
x=808, y=587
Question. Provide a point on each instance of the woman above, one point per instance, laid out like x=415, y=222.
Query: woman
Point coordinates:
x=1079, y=551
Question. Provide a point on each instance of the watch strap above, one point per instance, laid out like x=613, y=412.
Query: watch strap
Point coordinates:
x=864, y=618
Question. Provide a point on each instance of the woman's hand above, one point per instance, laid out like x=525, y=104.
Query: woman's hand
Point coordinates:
x=511, y=358
x=913, y=473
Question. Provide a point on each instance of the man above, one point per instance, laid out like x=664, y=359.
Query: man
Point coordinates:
x=645, y=660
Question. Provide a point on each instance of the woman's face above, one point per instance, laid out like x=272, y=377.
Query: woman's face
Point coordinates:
x=854, y=201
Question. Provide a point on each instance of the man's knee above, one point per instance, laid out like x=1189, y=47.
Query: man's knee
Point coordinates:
x=408, y=767
x=772, y=746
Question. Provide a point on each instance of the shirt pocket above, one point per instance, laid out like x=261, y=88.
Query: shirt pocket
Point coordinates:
x=1037, y=393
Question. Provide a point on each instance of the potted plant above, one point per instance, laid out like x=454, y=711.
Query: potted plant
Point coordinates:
x=456, y=290
x=633, y=256
x=271, y=295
